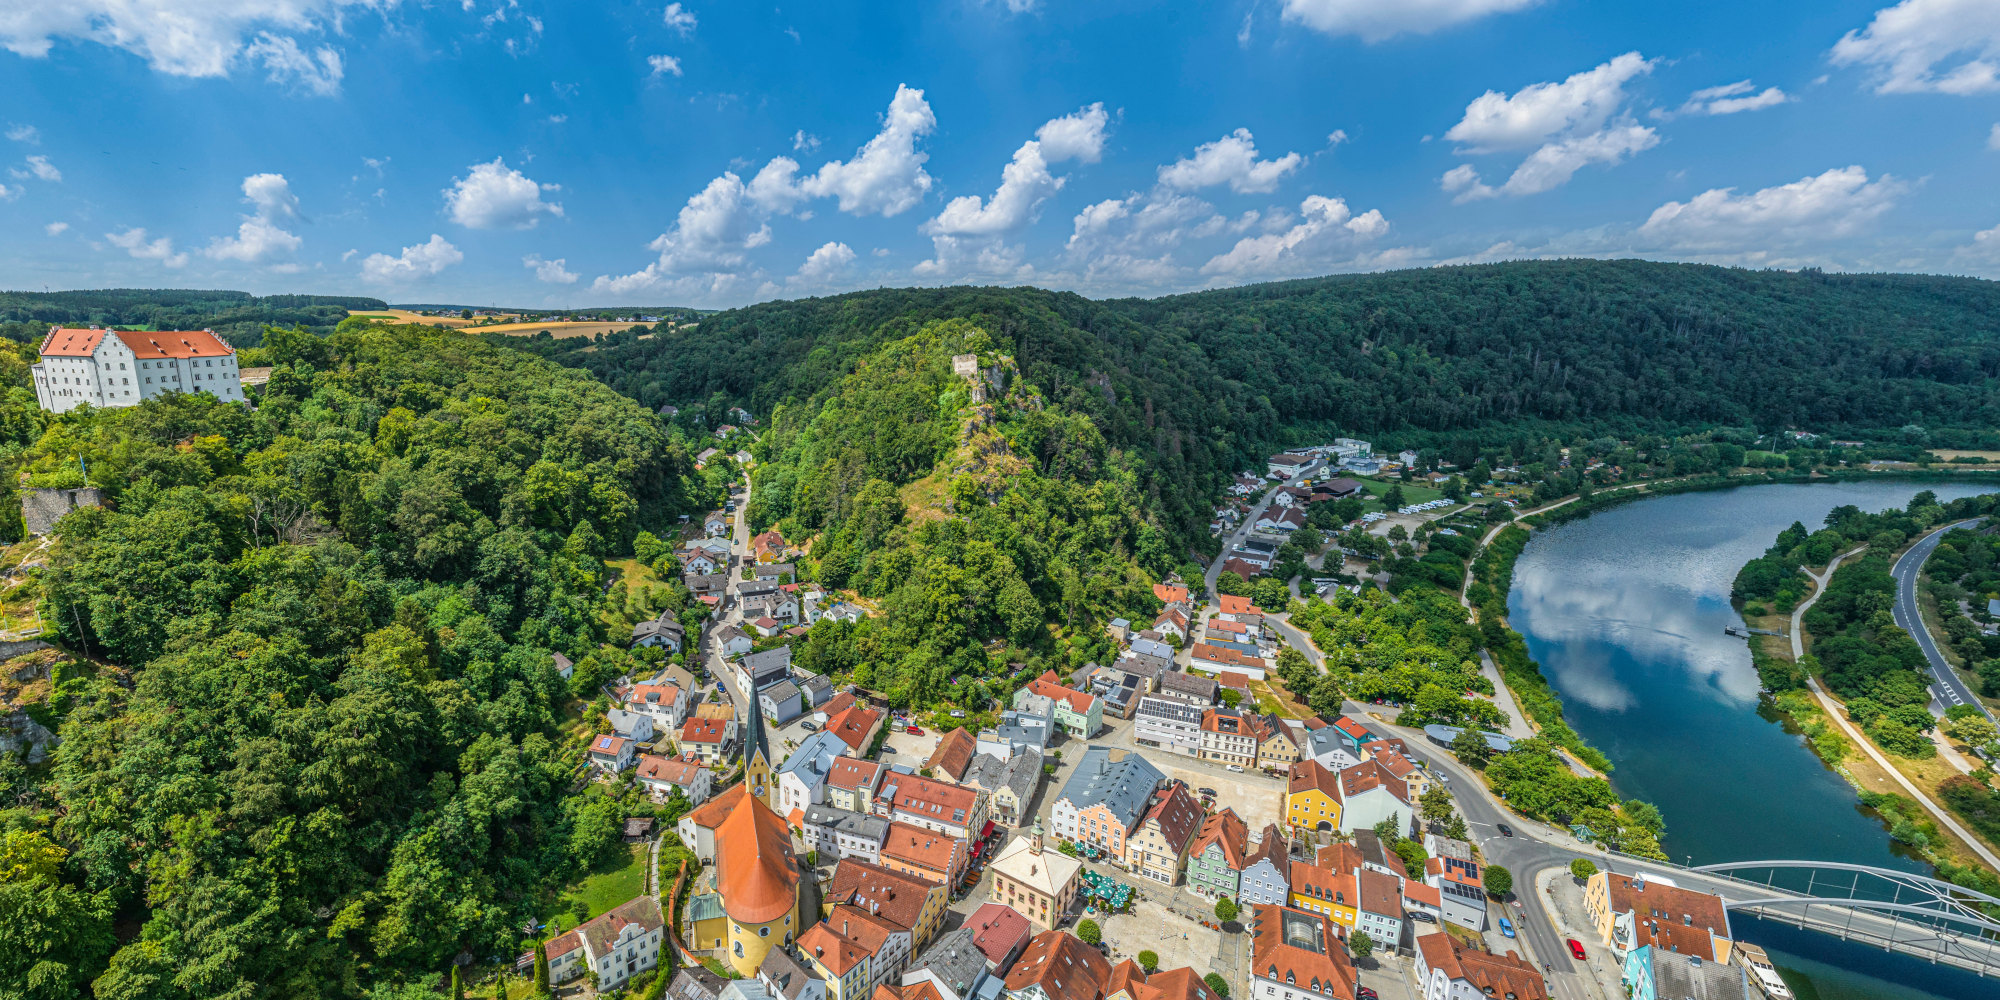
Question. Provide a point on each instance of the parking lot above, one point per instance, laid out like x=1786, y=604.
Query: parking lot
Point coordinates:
x=909, y=750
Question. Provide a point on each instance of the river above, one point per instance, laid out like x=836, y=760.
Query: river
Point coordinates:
x=1624, y=610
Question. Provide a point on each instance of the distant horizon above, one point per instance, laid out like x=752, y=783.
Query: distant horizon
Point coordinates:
x=657, y=307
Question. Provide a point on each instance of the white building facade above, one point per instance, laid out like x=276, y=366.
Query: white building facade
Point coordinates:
x=108, y=368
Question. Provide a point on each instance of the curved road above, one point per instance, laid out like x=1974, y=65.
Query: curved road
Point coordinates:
x=1243, y=530
x=1839, y=715
x=1948, y=688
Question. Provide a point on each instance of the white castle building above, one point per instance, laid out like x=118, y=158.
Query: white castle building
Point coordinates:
x=125, y=367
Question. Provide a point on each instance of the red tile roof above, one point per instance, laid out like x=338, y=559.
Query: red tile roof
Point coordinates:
x=1064, y=967
x=754, y=867
x=77, y=343
x=700, y=730
x=883, y=892
x=1050, y=686
x=1674, y=918
x=658, y=768
x=917, y=847
x=854, y=726
x=1176, y=813
x=1168, y=594
x=1227, y=829
x=954, y=753
x=998, y=931
x=1224, y=656
x=852, y=774
x=1494, y=975
x=1300, y=949
x=837, y=952
x=1232, y=604
x=937, y=801
x=1369, y=775
x=1309, y=774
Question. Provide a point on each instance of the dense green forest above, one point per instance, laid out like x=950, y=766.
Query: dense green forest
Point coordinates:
x=969, y=521
x=237, y=317
x=312, y=746
x=1452, y=359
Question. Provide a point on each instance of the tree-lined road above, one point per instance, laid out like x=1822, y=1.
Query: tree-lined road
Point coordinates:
x=1948, y=688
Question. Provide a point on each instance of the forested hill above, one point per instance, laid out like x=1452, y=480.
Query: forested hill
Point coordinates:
x=969, y=510
x=315, y=741
x=1202, y=383
x=237, y=317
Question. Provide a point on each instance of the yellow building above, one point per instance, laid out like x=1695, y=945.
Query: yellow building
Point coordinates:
x=1331, y=894
x=1312, y=801
x=753, y=899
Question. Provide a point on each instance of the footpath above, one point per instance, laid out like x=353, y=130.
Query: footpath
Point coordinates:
x=1838, y=714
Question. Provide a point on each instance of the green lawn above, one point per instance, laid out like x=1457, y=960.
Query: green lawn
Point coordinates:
x=1412, y=492
x=618, y=878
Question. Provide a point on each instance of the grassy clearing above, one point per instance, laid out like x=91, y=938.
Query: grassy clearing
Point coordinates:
x=634, y=573
x=1412, y=492
x=616, y=879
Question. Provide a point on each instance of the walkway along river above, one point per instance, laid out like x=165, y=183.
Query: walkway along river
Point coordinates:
x=1625, y=611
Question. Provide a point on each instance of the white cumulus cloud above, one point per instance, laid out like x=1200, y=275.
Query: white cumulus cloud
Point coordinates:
x=133, y=241
x=680, y=19
x=25, y=133
x=419, y=261
x=496, y=196
x=1568, y=125
x=886, y=176
x=825, y=263
x=1375, y=20
x=1230, y=160
x=1833, y=204
x=56, y=228
x=259, y=238
x=317, y=72
x=1025, y=184
x=1928, y=46
x=554, y=272
x=1732, y=98
x=38, y=167
x=193, y=38
x=1326, y=225
x=664, y=65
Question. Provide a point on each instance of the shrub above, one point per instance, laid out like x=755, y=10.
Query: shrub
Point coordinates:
x=1214, y=981
x=1089, y=932
x=1148, y=961
x=1225, y=910
x=1499, y=881
x=1582, y=868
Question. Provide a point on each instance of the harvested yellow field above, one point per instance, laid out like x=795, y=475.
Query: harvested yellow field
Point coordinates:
x=1948, y=454
x=560, y=331
x=406, y=316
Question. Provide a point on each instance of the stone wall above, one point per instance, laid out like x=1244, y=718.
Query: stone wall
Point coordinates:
x=42, y=508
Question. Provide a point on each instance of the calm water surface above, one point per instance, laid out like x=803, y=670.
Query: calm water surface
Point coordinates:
x=1625, y=610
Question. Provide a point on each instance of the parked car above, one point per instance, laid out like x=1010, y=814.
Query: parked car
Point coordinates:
x=1210, y=792
x=1505, y=830
x=1364, y=993
x=957, y=713
x=1576, y=949
x=1238, y=768
x=1506, y=927
x=914, y=731
x=810, y=726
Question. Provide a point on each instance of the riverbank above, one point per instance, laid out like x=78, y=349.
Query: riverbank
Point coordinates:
x=1890, y=784
x=1492, y=580
x=1584, y=506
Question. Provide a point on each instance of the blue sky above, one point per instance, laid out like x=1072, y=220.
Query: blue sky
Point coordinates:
x=517, y=152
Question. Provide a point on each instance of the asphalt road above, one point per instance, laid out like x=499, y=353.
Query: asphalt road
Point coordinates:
x=1243, y=530
x=1948, y=688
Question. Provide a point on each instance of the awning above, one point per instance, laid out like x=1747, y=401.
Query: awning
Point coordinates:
x=986, y=831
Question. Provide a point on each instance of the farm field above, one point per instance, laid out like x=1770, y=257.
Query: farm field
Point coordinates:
x=558, y=330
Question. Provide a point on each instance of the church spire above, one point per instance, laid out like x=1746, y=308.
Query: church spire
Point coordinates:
x=756, y=752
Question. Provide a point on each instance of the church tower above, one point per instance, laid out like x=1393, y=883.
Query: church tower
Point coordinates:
x=757, y=762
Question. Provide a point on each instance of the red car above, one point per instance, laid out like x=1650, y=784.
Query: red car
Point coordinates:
x=1576, y=949
x=914, y=731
